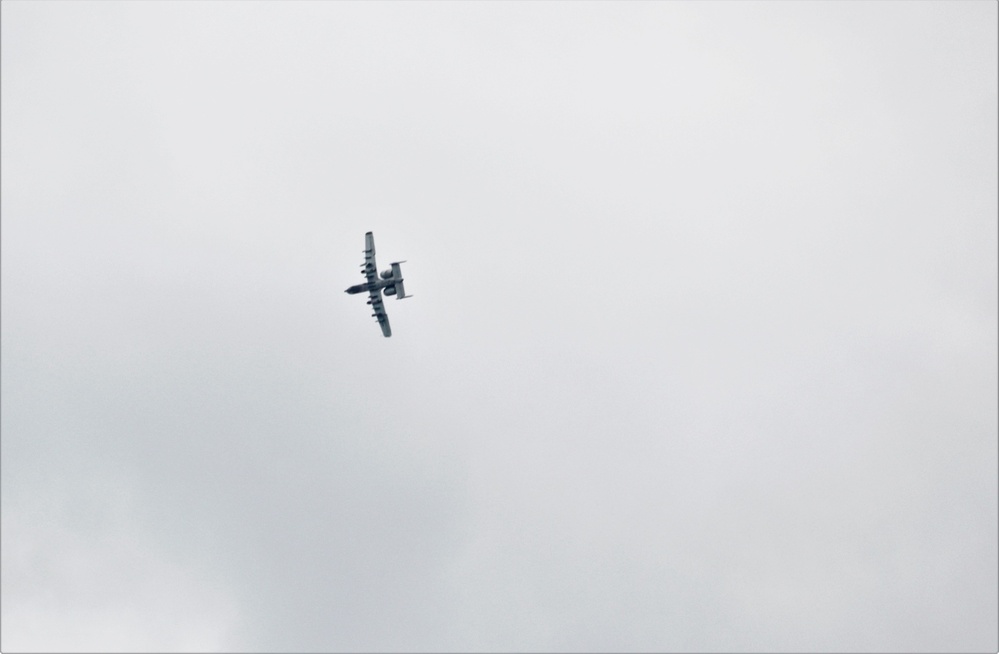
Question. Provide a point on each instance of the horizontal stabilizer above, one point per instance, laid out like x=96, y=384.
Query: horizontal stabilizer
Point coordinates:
x=400, y=290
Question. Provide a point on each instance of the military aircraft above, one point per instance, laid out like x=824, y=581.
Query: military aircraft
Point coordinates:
x=390, y=283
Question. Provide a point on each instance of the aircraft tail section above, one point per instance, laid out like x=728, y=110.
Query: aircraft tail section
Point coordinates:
x=400, y=290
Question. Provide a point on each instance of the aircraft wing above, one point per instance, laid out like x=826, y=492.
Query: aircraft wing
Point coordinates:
x=379, y=308
x=370, y=267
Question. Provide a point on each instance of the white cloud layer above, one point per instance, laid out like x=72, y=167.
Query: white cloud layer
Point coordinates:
x=702, y=353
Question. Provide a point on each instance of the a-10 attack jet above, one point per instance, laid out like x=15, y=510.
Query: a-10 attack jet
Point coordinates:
x=390, y=283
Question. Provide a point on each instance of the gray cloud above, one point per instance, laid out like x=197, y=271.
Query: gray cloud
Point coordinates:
x=701, y=358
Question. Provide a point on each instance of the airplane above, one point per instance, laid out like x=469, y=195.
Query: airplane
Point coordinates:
x=390, y=282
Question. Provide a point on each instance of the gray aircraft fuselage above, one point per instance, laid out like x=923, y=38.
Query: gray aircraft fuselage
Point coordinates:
x=370, y=286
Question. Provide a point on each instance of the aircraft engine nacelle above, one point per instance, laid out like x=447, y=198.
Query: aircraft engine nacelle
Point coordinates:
x=389, y=290
x=387, y=274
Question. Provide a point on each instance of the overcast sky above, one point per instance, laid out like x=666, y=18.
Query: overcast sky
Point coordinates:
x=702, y=354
